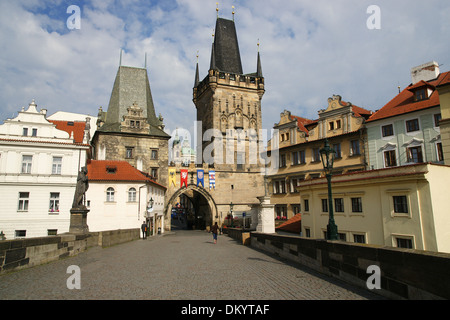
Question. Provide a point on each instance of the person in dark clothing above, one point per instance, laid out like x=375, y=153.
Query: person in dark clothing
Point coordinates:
x=214, y=230
x=144, y=230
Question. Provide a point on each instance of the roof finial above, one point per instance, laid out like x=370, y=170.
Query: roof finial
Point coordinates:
x=145, y=66
x=120, y=59
x=233, y=12
x=258, y=44
x=217, y=9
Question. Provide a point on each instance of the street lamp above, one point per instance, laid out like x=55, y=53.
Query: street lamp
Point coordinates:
x=149, y=210
x=327, y=155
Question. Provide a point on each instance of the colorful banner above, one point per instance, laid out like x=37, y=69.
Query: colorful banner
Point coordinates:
x=172, y=177
x=212, y=180
x=183, y=177
x=200, y=177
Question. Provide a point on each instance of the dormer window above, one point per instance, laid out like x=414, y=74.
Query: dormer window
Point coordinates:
x=111, y=170
x=421, y=94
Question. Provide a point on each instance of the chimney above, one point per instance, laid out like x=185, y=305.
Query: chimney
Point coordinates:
x=426, y=72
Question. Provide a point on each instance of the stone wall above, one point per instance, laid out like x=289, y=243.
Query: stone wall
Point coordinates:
x=405, y=273
x=24, y=253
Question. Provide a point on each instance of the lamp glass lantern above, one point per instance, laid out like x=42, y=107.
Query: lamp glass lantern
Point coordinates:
x=150, y=203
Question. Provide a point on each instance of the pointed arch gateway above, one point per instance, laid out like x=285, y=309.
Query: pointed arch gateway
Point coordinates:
x=205, y=208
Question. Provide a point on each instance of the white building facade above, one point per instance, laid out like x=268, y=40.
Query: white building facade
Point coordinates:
x=39, y=165
x=119, y=196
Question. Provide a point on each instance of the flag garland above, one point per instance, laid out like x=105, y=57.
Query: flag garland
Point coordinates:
x=200, y=177
x=183, y=177
x=172, y=177
x=212, y=180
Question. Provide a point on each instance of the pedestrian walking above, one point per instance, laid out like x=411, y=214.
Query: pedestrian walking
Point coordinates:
x=144, y=230
x=214, y=230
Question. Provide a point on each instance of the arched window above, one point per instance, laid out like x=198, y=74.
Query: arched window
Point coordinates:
x=132, y=195
x=110, y=194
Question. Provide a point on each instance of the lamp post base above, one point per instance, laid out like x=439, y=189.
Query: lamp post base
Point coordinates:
x=332, y=232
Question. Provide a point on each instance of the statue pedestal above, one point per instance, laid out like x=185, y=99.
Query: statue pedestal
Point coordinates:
x=78, y=220
x=266, y=218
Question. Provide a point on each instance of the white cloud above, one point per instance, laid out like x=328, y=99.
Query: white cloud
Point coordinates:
x=310, y=50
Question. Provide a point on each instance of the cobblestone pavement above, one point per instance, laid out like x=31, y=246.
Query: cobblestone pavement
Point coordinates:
x=182, y=265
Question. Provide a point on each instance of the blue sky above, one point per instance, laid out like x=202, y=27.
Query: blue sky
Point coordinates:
x=310, y=50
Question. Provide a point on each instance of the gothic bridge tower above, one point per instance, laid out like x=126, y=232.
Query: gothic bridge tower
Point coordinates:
x=229, y=102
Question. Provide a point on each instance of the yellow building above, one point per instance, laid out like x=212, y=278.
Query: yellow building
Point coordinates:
x=299, y=142
x=444, y=97
x=404, y=207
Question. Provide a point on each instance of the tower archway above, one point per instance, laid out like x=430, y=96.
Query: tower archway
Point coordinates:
x=201, y=213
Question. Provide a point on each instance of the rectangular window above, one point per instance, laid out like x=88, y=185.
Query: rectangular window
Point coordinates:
x=308, y=232
x=316, y=155
x=420, y=94
x=54, y=202
x=412, y=125
x=359, y=238
x=295, y=158
x=20, y=233
x=400, y=204
x=404, y=243
x=440, y=152
x=437, y=119
x=52, y=232
x=354, y=147
x=356, y=204
x=337, y=148
x=390, y=159
x=302, y=157
x=24, y=198
x=294, y=184
x=414, y=154
x=154, y=154
x=56, y=165
x=324, y=205
x=26, y=164
x=339, y=205
x=25, y=131
x=342, y=236
x=129, y=152
x=387, y=130
x=282, y=160
x=306, y=204
x=154, y=173
x=295, y=208
x=240, y=160
x=281, y=211
x=331, y=125
x=34, y=132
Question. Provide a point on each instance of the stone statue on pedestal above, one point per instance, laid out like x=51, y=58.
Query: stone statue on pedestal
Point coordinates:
x=78, y=213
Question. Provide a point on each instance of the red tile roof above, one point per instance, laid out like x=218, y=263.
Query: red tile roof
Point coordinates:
x=75, y=127
x=293, y=225
x=404, y=102
x=302, y=122
x=118, y=171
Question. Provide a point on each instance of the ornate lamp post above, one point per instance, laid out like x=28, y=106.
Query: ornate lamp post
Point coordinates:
x=149, y=210
x=327, y=155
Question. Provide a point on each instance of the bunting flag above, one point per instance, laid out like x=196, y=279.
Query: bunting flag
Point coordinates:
x=200, y=177
x=172, y=177
x=184, y=177
x=212, y=180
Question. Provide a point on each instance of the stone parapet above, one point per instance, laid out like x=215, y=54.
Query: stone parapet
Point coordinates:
x=404, y=273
